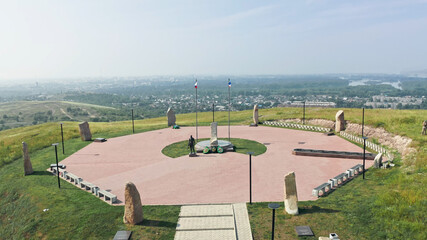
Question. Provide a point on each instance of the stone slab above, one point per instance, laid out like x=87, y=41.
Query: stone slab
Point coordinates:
x=304, y=231
x=122, y=235
x=205, y=223
x=207, y=234
x=241, y=218
x=206, y=210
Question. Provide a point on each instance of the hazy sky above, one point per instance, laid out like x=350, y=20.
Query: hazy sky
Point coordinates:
x=52, y=39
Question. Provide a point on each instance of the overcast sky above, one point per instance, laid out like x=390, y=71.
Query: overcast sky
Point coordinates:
x=67, y=39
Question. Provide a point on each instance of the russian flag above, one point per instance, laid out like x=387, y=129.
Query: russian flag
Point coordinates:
x=195, y=84
x=229, y=83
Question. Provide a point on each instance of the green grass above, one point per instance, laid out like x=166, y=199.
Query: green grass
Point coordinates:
x=73, y=213
x=379, y=207
x=389, y=204
x=243, y=146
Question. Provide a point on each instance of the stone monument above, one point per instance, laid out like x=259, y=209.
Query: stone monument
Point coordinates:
x=214, y=134
x=171, y=117
x=290, y=192
x=28, y=167
x=133, y=207
x=84, y=129
x=378, y=160
x=339, y=121
x=255, y=114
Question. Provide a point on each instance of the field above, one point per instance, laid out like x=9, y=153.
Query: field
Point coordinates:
x=389, y=204
x=25, y=113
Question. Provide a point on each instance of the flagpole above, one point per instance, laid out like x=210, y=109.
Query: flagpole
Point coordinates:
x=229, y=107
x=197, y=133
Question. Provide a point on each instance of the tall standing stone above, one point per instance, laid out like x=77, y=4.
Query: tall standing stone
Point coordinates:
x=85, y=133
x=214, y=134
x=28, y=167
x=255, y=114
x=291, y=198
x=339, y=121
x=171, y=117
x=378, y=160
x=133, y=207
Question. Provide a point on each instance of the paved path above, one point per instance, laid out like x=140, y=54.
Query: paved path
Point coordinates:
x=211, y=178
x=216, y=221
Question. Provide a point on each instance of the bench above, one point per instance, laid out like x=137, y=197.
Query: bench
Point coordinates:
x=350, y=173
x=322, y=188
x=358, y=168
x=340, y=179
x=108, y=197
x=54, y=171
x=62, y=166
x=73, y=178
x=87, y=186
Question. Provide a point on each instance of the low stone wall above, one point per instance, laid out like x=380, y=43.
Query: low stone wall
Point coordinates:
x=401, y=144
x=369, y=144
x=297, y=126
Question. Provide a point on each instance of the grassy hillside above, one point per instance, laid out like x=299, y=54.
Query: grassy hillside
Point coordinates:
x=389, y=204
x=25, y=113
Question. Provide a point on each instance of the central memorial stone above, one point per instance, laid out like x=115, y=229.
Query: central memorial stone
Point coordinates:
x=214, y=134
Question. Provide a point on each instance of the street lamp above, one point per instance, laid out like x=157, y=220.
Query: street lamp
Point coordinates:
x=133, y=124
x=303, y=115
x=273, y=206
x=62, y=136
x=250, y=176
x=57, y=165
x=364, y=156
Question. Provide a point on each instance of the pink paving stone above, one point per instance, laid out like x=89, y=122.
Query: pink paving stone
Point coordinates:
x=212, y=178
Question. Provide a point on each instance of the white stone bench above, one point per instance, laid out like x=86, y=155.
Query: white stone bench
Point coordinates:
x=55, y=172
x=350, y=173
x=87, y=186
x=340, y=179
x=325, y=187
x=73, y=178
x=357, y=168
x=108, y=197
x=62, y=166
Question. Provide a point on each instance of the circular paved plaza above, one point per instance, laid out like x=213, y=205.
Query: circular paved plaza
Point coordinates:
x=211, y=178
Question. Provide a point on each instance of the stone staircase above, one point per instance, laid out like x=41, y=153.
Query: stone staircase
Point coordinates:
x=214, y=221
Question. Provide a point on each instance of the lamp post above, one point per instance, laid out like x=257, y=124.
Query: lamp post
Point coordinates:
x=62, y=137
x=57, y=167
x=213, y=112
x=133, y=124
x=303, y=115
x=273, y=206
x=364, y=156
x=363, y=120
x=250, y=176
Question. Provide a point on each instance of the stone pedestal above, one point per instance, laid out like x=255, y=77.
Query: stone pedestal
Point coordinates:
x=28, y=167
x=378, y=160
x=339, y=121
x=133, y=207
x=214, y=134
x=171, y=117
x=255, y=114
x=290, y=194
x=85, y=133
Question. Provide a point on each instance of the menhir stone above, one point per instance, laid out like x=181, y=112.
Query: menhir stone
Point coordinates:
x=28, y=167
x=85, y=131
x=214, y=134
x=255, y=114
x=339, y=121
x=171, y=117
x=378, y=160
x=133, y=207
x=290, y=192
